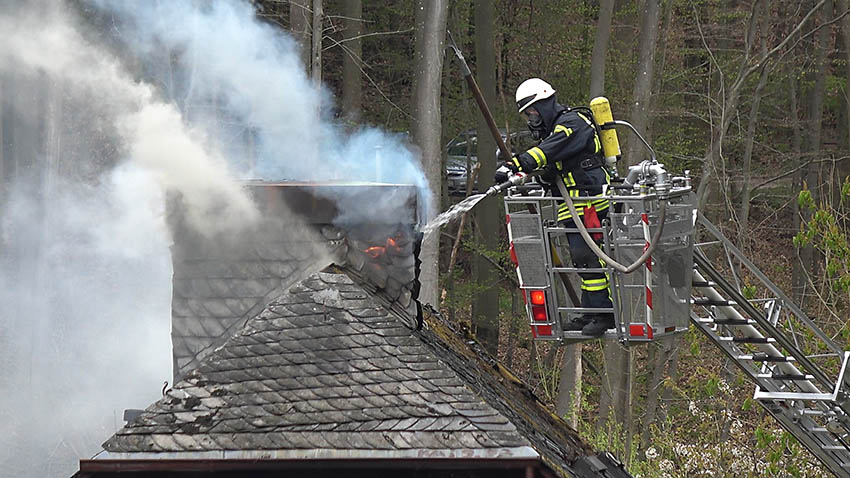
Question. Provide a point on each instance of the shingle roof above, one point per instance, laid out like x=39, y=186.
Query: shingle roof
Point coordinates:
x=326, y=368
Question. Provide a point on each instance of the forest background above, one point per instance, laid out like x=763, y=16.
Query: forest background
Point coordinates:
x=750, y=96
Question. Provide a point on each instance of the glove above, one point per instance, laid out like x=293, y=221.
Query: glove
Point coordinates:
x=502, y=174
x=527, y=164
x=502, y=157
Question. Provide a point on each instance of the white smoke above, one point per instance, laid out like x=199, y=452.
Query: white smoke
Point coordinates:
x=169, y=96
x=85, y=318
x=221, y=51
x=153, y=132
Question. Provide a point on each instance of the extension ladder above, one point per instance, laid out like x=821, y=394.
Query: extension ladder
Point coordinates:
x=799, y=371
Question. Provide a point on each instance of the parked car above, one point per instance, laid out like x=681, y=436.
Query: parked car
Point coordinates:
x=466, y=144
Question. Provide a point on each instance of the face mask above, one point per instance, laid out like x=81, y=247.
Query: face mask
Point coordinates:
x=535, y=125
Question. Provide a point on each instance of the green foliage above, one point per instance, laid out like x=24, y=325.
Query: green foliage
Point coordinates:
x=805, y=200
x=827, y=234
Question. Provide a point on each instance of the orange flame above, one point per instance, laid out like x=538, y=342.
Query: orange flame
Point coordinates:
x=375, y=251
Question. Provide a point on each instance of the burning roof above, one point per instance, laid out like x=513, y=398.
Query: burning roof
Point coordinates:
x=326, y=372
x=280, y=366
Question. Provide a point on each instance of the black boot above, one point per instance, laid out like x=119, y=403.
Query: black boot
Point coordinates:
x=578, y=323
x=599, y=325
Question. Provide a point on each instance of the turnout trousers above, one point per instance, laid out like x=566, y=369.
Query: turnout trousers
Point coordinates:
x=595, y=286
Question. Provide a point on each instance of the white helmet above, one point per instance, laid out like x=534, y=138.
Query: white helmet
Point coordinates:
x=531, y=90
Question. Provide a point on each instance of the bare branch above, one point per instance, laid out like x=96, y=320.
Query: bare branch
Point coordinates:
x=366, y=35
x=794, y=170
x=359, y=61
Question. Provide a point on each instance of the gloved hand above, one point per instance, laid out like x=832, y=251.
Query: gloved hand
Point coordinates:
x=527, y=163
x=502, y=157
x=502, y=174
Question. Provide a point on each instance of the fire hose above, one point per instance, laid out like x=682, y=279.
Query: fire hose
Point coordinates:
x=662, y=214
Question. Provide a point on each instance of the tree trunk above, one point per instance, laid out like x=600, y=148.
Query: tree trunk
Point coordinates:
x=619, y=367
x=352, y=87
x=569, y=389
x=427, y=129
x=661, y=360
x=316, y=56
x=643, y=80
x=844, y=168
x=2, y=149
x=615, y=384
x=813, y=143
x=600, y=48
x=798, y=276
x=812, y=140
x=746, y=175
x=299, y=24
x=485, y=307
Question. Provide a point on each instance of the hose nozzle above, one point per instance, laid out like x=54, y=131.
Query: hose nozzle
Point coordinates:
x=514, y=180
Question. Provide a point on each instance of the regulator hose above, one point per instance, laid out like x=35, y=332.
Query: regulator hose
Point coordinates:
x=662, y=213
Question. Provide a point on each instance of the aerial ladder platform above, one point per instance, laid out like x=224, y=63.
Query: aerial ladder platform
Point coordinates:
x=685, y=271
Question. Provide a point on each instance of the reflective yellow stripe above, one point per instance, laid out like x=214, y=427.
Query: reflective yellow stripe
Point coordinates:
x=569, y=180
x=564, y=211
x=538, y=156
x=516, y=162
x=585, y=118
x=560, y=127
x=594, y=284
x=596, y=141
x=594, y=288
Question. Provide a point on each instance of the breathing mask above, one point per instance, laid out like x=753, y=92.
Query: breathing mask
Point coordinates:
x=536, y=126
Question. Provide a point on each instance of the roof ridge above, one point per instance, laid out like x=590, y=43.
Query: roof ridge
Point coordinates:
x=401, y=313
x=349, y=374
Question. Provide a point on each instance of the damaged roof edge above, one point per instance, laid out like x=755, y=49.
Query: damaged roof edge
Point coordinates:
x=235, y=460
x=504, y=453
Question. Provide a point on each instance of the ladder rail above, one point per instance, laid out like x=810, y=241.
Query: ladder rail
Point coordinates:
x=705, y=223
x=790, y=412
x=702, y=262
x=776, y=347
x=787, y=368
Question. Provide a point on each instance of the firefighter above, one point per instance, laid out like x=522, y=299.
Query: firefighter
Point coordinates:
x=570, y=151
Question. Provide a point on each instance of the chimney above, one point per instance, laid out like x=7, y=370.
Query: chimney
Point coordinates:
x=220, y=282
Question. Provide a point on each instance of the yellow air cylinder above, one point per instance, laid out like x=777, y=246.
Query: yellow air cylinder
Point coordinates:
x=602, y=114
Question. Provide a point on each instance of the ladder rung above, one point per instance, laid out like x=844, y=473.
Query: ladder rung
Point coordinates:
x=749, y=340
x=731, y=321
x=835, y=448
x=704, y=301
x=813, y=412
x=703, y=283
x=763, y=357
x=786, y=376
